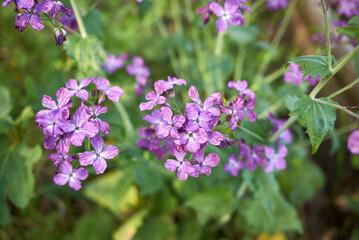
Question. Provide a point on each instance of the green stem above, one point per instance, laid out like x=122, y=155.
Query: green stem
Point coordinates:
x=337, y=106
x=327, y=33
x=241, y=190
x=240, y=62
x=80, y=23
x=335, y=70
x=219, y=44
x=276, y=40
x=289, y=122
x=126, y=119
x=269, y=79
x=253, y=134
x=88, y=144
x=343, y=89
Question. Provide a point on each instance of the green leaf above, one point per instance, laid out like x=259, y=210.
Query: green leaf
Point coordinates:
x=5, y=124
x=5, y=102
x=130, y=227
x=313, y=65
x=16, y=177
x=25, y=115
x=94, y=23
x=312, y=179
x=243, y=35
x=352, y=30
x=316, y=117
x=86, y=6
x=216, y=202
x=113, y=191
x=261, y=127
x=269, y=211
x=88, y=55
x=153, y=228
x=290, y=102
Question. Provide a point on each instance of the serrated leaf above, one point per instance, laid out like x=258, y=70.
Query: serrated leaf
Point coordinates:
x=352, y=30
x=313, y=65
x=290, y=102
x=16, y=177
x=316, y=117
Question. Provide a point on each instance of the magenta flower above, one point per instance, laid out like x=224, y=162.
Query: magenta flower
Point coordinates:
x=206, y=13
x=153, y=97
x=208, y=103
x=155, y=118
x=241, y=87
x=254, y=157
x=63, y=143
x=113, y=93
x=99, y=156
x=76, y=89
x=67, y=174
x=353, y=142
x=50, y=123
x=215, y=138
x=169, y=126
x=69, y=22
x=20, y=3
x=204, y=165
x=197, y=119
x=349, y=8
x=59, y=158
x=94, y=112
x=233, y=166
x=313, y=81
x=275, y=160
x=235, y=112
x=64, y=103
x=60, y=36
x=138, y=69
x=167, y=85
x=286, y=136
x=192, y=140
x=59, y=7
x=80, y=127
x=276, y=4
x=31, y=15
x=229, y=13
x=113, y=63
x=182, y=165
x=247, y=110
x=294, y=75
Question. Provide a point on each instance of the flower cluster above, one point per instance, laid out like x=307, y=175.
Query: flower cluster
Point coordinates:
x=30, y=10
x=63, y=129
x=194, y=129
x=136, y=68
x=230, y=12
x=353, y=142
x=277, y=4
x=347, y=8
x=295, y=76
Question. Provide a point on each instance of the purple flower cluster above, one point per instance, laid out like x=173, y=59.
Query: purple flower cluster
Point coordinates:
x=136, y=68
x=193, y=130
x=353, y=142
x=29, y=13
x=250, y=158
x=277, y=4
x=295, y=76
x=63, y=129
x=230, y=12
x=347, y=8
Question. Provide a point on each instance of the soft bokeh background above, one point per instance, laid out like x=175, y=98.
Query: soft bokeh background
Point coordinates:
x=316, y=197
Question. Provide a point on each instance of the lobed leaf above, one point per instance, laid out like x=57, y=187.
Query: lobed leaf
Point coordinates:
x=313, y=65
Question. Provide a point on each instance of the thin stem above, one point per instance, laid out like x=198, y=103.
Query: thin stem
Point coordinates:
x=276, y=40
x=335, y=70
x=343, y=89
x=241, y=190
x=269, y=79
x=337, y=106
x=219, y=44
x=253, y=134
x=327, y=33
x=126, y=119
x=289, y=122
x=80, y=23
x=240, y=62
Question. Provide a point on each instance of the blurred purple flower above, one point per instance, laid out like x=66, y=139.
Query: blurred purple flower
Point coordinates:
x=138, y=69
x=353, y=142
x=275, y=160
x=277, y=4
x=59, y=158
x=234, y=165
x=59, y=7
x=113, y=63
x=229, y=13
x=285, y=136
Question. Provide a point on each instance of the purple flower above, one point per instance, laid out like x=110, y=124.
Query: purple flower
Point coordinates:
x=233, y=165
x=192, y=140
x=206, y=12
x=80, y=127
x=69, y=175
x=235, y=112
x=349, y=8
x=32, y=15
x=59, y=158
x=20, y=3
x=208, y=103
x=155, y=118
x=50, y=123
x=153, y=97
x=197, y=119
x=313, y=81
x=76, y=89
x=275, y=160
x=150, y=142
x=63, y=145
x=182, y=165
x=113, y=63
x=286, y=136
x=64, y=103
x=138, y=69
x=98, y=158
x=204, y=165
x=353, y=142
x=169, y=126
x=113, y=93
x=59, y=7
x=241, y=87
x=94, y=112
x=167, y=85
x=229, y=13
x=254, y=157
x=276, y=4
x=60, y=36
x=294, y=75
x=226, y=142
x=247, y=110
x=242, y=6
x=215, y=138
x=69, y=22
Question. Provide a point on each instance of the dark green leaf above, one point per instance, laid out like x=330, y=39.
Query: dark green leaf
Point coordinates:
x=262, y=128
x=313, y=65
x=316, y=117
x=5, y=102
x=352, y=30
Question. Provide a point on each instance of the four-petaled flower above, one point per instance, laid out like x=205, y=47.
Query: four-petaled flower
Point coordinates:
x=67, y=174
x=229, y=13
x=76, y=89
x=182, y=165
x=275, y=160
x=203, y=164
x=113, y=93
x=170, y=125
